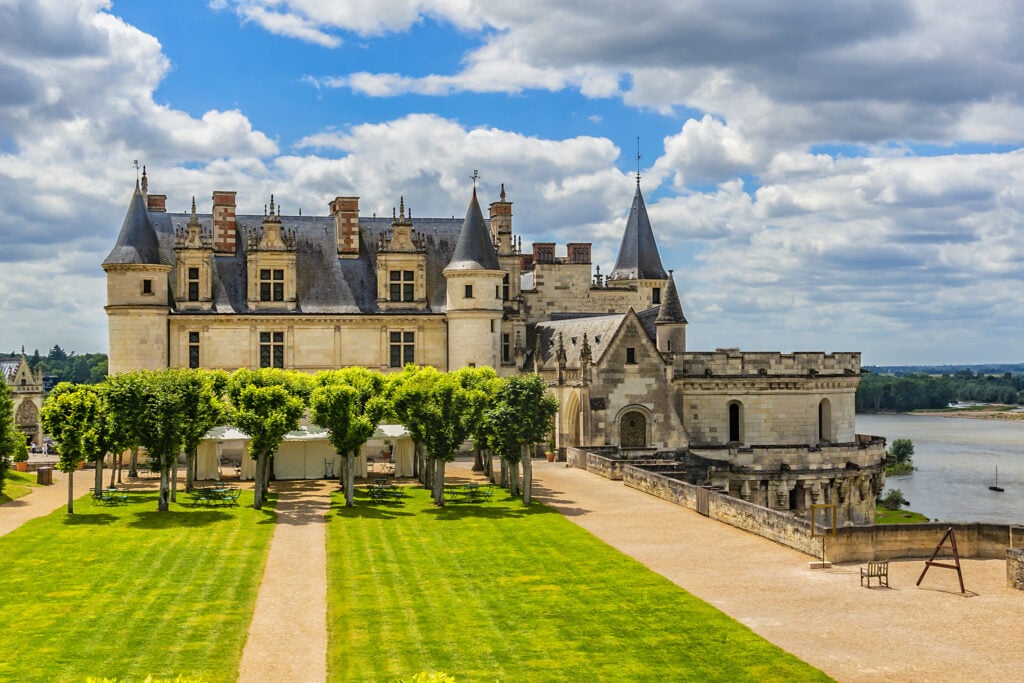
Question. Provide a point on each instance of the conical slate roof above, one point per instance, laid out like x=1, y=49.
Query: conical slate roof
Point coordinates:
x=137, y=243
x=671, y=309
x=474, y=249
x=638, y=254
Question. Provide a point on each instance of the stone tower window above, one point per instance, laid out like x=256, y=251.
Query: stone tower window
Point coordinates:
x=631, y=356
x=147, y=286
x=469, y=292
x=656, y=295
x=735, y=421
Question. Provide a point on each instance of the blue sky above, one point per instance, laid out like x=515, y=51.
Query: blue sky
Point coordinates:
x=838, y=176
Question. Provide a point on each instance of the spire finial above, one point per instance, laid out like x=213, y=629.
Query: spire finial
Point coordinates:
x=503, y=192
x=475, y=177
x=145, y=181
x=271, y=204
x=638, y=161
x=193, y=206
x=401, y=207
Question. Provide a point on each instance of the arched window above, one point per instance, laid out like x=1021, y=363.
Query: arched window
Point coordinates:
x=735, y=421
x=824, y=420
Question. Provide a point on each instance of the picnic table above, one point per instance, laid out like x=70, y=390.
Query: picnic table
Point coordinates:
x=468, y=493
x=214, y=495
x=109, y=496
x=382, y=490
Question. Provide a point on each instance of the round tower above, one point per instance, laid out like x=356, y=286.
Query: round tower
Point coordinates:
x=474, y=305
x=137, y=294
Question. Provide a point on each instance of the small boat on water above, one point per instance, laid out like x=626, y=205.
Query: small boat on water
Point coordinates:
x=996, y=486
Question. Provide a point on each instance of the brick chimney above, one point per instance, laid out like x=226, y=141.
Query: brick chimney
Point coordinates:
x=224, y=228
x=346, y=225
x=156, y=203
x=579, y=252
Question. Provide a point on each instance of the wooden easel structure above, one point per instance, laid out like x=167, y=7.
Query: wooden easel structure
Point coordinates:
x=956, y=559
x=828, y=508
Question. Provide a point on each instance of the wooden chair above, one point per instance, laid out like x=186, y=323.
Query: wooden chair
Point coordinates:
x=877, y=570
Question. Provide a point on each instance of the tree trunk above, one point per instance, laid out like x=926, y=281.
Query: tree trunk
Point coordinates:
x=478, y=460
x=71, y=492
x=257, y=489
x=513, y=479
x=438, y=481
x=527, y=477
x=133, y=464
x=115, y=469
x=503, y=466
x=164, y=503
x=489, y=465
x=99, y=477
x=174, y=479
x=190, y=468
x=350, y=476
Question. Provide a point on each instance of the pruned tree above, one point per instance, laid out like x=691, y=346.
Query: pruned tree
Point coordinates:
x=408, y=392
x=266, y=404
x=9, y=435
x=204, y=408
x=73, y=417
x=520, y=417
x=349, y=403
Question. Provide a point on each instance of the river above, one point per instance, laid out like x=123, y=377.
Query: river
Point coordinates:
x=956, y=460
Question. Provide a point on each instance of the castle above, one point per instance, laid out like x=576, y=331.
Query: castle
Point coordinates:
x=310, y=293
x=27, y=396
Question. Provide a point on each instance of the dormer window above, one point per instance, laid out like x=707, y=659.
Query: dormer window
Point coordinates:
x=631, y=356
x=402, y=285
x=147, y=286
x=271, y=284
x=193, y=284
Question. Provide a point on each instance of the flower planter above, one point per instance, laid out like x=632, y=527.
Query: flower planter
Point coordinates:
x=21, y=466
x=550, y=456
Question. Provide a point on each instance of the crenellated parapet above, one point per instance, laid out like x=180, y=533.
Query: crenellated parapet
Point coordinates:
x=736, y=363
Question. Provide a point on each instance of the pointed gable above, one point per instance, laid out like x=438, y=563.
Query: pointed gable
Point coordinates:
x=638, y=257
x=137, y=242
x=671, y=309
x=474, y=249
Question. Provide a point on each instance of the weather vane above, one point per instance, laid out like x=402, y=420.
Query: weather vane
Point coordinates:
x=135, y=162
x=475, y=177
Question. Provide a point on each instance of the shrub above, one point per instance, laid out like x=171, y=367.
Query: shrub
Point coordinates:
x=893, y=500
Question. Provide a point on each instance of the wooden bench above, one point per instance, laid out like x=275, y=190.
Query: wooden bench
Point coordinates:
x=878, y=570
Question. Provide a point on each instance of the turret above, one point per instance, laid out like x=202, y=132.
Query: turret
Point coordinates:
x=474, y=305
x=137, y=294
x=671, y=323
x=638, y=263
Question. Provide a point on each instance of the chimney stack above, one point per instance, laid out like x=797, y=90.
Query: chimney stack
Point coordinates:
x=346, y=225
x=156, y=203
x=224, y=228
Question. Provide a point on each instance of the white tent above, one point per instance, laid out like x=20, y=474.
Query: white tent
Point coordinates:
x=305, y=453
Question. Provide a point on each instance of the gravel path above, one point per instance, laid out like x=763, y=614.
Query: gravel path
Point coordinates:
x=288, y=634
x=41, y=501
x=824, y=617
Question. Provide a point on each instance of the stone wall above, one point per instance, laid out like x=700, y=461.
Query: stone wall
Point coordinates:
x=852, y=544
x=606, y=466
x=738, y=363
x=1015, y=568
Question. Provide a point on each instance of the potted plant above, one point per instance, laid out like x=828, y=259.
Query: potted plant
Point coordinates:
x=550, y=453
x=21, y=456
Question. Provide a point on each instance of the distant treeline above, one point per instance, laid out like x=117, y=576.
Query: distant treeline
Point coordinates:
x=62, y=366
x=923, y=391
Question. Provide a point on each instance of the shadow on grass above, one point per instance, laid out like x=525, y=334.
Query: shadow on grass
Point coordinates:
x=177, y=518
x=89, y=519
x=365, y=507
x=454, y=511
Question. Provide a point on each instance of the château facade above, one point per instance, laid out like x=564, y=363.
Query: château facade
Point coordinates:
x=309, y=293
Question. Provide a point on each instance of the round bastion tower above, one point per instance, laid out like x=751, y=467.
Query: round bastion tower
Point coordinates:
x=474, y=306
x=137, y=294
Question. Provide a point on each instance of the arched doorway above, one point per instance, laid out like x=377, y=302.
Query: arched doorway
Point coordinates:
x=824, y=420
x=633, y=430
x=735, y=421
x=571, y=420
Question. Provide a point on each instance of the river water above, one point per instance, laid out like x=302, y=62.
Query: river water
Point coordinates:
x=956, y=460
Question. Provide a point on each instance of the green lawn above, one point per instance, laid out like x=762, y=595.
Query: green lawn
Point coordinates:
x=884, y=515
x=124, y=592
x=501, y=592
x=17, y=484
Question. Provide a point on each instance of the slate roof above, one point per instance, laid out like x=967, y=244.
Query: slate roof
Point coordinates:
x=599, y=330
x=137, y=242
x=324, y=282
x=638, y=257
x=671, y=309
x=475, y=248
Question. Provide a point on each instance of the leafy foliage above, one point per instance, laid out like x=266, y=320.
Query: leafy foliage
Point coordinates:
x=921, y=391
x=893, y=500
x=9, y=435
x=75, y=417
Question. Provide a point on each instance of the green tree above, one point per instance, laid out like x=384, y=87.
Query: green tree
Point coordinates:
x=349, y=403
x=899, y=457
x=408, y=392
x=9, y=435
x=204, y=408
x=266, y=404
x=521, y=416
x=73, y=417
x=893, y=500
